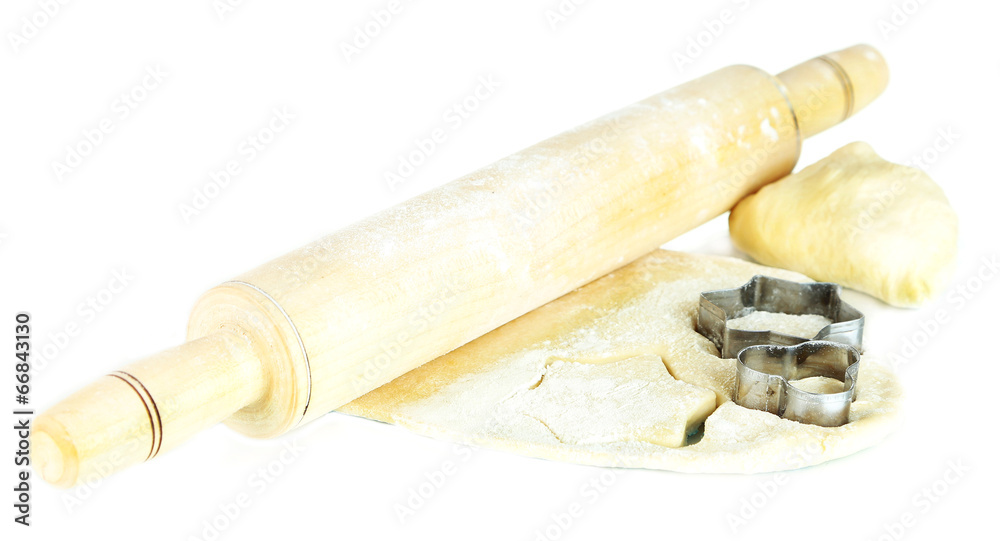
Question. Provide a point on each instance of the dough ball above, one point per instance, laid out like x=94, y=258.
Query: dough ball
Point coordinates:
x=857, y=220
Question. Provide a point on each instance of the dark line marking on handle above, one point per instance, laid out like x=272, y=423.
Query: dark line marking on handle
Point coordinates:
x=845, y=82
x=156, y=426
x=152, y=430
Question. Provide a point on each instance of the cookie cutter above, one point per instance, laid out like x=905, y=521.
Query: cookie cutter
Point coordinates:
x=765, y=377
x=766, y=293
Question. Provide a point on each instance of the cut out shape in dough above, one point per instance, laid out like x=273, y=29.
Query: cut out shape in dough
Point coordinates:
x=802, y=325
x=577, y=348
x=633, y=399
x=857, y=220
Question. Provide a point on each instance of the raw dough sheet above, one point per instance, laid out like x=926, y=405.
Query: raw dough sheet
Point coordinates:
x=614, y=374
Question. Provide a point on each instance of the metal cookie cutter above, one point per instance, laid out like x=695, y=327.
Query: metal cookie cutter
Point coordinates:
x=769, y=294
x=764, y=376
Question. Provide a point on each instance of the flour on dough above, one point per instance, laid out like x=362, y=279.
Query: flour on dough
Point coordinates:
x=801, y=325
x=579, y=380
x=633, y=399
x=857, y=220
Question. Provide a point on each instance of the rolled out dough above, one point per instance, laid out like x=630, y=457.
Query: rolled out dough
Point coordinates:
x=614, y=374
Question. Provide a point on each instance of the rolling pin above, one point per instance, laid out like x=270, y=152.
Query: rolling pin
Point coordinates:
x=310, y=331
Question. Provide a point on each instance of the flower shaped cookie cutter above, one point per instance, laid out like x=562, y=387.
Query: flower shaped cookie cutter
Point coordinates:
x=765, y=293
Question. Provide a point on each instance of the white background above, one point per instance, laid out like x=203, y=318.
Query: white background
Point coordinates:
x=62, y=237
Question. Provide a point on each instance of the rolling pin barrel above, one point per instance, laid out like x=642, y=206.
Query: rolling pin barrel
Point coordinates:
x=312, y=330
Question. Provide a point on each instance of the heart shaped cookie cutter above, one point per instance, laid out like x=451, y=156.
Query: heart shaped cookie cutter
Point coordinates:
x=765, y=376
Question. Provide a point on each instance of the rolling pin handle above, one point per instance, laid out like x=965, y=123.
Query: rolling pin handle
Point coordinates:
x=133, y=414
x=829, y=89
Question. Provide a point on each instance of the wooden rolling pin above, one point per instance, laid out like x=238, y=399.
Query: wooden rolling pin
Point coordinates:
x=308, y=332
